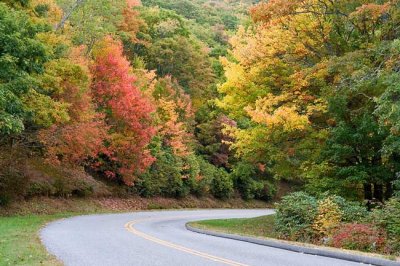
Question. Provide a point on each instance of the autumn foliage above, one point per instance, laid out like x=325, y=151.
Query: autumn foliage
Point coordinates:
x=171, y=98
x=174, y=115
x=82, y=137
x=363, y=237
x=128, y=113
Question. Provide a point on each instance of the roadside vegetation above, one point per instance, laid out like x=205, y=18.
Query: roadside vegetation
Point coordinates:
x=328, y=221
x=333, y=221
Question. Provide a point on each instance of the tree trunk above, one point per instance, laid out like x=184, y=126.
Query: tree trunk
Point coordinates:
x=378, y=192
x=367, y=191
x=389, y=190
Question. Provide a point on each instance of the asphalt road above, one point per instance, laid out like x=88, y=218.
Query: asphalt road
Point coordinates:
x=160, y=238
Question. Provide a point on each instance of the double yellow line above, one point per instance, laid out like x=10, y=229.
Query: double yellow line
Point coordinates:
x=130, y=227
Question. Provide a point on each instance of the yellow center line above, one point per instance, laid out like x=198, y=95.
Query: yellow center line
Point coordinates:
x=130, y=227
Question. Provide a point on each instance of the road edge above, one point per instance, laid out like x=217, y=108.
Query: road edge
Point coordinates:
x=299, y=249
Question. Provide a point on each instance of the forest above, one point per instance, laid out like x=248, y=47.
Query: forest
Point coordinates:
x=222, y=98
x=207, y=98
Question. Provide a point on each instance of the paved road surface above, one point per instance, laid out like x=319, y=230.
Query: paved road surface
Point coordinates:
x=160, y=238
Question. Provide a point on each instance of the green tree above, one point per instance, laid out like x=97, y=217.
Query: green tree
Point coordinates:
x=22, y=56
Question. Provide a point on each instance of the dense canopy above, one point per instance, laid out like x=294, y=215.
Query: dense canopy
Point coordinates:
x=203, y=97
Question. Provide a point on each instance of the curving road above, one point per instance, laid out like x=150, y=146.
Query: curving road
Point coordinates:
x=160, y=238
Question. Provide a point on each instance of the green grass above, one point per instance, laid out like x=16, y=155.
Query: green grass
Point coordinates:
x=20, y=243
x=263, y=226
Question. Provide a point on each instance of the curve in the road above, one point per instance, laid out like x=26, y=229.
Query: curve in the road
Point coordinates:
x=161, y=238
x=130, y=227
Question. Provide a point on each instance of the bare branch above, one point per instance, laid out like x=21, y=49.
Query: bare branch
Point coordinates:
x=68, y=14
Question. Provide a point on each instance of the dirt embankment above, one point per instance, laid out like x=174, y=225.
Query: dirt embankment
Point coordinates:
x=45, y=205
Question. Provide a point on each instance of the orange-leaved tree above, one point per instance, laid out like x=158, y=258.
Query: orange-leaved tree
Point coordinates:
x=127, y=111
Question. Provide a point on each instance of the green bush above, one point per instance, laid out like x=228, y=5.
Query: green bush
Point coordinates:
x=147, y=185
x=297, y=211
x=388, y=218
x=295, y=215
x=164, y=178
x=190, y=173
x=251, y=183
x=222, y=185
x=63, y=187
x=351, y=211
x=250, y=188
x=177, y=177
x=201, y=184
x=342, y=223
x=177, y=187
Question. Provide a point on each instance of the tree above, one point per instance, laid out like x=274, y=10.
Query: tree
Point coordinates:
x=211, y=135
x=272, y=92
x=127, y=112
x=309, y=72
x=174, y=115
x=167, y=47
x=82, y=137
x=86, y=23
x=22, y=55
x=183, y=60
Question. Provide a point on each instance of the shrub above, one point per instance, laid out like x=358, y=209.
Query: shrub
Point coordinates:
x=363, y=237
x=251, y=183
x=177, y=188
x=201, y=184
x=40, y=188
x=295, y=215
x=147, y=185
x=12, y=185
x=162, y=180
x=63, y=188
x=164, y=177
x=328, y=217
x=82, y=188
x=222, y=185
x=351, y=211
x=60, y=181
x=250, y=188
x=388, y=218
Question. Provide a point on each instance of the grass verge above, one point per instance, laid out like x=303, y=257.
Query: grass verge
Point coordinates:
x=20, y=243
x=263, y=226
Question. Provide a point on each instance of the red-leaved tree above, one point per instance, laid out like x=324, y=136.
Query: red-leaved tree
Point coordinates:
x=128, y=112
